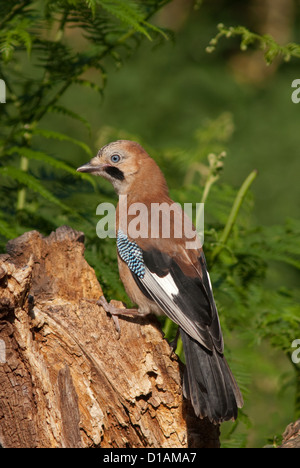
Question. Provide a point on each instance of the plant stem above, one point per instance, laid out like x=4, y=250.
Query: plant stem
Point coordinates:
x=210, y=181
x=22, y=192
x=234, y=212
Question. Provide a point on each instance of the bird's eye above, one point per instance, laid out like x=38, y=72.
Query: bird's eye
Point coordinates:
x=115, y=158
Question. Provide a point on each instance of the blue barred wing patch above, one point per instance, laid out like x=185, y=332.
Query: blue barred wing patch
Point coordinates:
x=131, y=253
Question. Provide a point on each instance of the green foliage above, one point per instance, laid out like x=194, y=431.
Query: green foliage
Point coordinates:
x=265, y=42
x=39, y=63
x=41, y=60
x=31, y=182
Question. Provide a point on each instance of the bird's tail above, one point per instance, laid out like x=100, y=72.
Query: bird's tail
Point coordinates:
x=209, y=383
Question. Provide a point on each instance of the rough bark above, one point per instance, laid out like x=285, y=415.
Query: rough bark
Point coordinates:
x=291, y=436
x=65, y=378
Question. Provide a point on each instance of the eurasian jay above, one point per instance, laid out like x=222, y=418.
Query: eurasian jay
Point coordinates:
x=164, y=276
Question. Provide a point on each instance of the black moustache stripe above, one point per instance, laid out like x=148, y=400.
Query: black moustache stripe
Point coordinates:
x=115, y=173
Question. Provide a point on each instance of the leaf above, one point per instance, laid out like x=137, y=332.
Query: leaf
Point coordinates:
x=265, y=42
x=56, y=163
x=65, y=111
x=128, y=12
x=62, y=137
x=16, y=35
x=89, y=84
x=92, y=4
x=32, y=183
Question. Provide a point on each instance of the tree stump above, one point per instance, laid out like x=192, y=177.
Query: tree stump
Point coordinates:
x=65, y=378
x=291, y=436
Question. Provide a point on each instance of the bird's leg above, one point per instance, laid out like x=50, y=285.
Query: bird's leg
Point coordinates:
x=111, y=309
x=115, y=311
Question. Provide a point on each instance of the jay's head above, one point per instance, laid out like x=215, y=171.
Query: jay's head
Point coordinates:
x=125, y=164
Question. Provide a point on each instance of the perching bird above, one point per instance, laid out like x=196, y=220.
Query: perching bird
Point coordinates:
x=166, y=274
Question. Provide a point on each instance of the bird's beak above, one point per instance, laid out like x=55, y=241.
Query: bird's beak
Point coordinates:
x=91, y=168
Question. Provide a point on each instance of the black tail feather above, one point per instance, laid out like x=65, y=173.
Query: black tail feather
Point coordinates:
x=209, y=383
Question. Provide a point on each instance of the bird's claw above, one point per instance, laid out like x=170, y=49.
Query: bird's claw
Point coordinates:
x=115, y=311
x=110, y=309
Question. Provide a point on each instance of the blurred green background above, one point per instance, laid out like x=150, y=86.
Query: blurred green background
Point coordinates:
x=180, y=101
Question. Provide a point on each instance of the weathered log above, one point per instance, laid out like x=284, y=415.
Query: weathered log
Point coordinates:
x=291, y=436
x=65, y=378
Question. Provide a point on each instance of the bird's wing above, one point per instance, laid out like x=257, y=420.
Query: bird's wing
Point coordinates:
x=187, y=299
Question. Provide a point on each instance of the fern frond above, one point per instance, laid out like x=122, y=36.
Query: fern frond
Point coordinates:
x=266, y=43
x=127, y=12
x=89, y=84
x=62, y=137
x=32, y=183
x=15, y=36
x=69, y=113
x=45, y=158
x=92, y=4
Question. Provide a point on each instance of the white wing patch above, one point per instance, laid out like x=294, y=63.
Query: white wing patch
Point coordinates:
x=167, y=283
x=163, y=291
